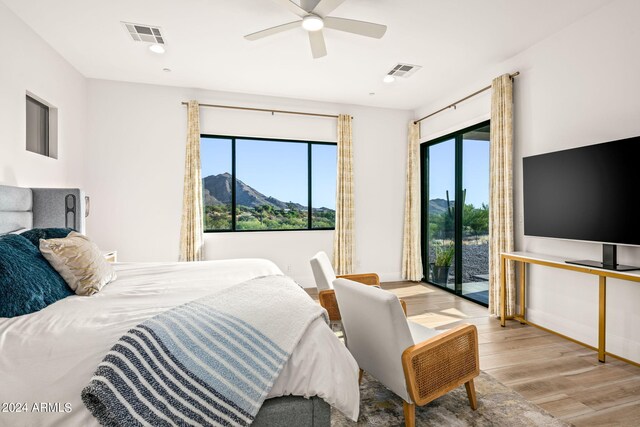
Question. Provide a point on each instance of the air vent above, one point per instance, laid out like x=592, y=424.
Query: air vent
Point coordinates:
x=403, y=70
x=144, y=33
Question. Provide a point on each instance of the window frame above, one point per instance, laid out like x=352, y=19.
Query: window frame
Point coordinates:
x=309, y=144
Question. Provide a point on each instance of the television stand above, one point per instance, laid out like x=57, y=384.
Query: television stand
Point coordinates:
x=528, y=258
x=609, y=260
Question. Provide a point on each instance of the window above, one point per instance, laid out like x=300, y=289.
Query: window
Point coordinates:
x=455, y=212
x=41, y=121
x=254, y=184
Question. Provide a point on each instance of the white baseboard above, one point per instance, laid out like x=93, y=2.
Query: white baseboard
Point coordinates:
x=565, y=326
x=390, y=277
x=587, y=334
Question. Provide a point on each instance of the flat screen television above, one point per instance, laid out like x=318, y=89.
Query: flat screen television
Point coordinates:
x=589, y=193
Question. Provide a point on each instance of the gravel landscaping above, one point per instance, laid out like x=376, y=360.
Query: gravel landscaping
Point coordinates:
x=476, y=262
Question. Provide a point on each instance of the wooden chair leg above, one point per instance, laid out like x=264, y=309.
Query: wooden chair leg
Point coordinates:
x=471, y=393
x=409, y=414
x=360, y=376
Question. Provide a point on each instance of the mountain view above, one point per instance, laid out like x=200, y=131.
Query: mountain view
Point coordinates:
x=255, y=211
x=439, y=206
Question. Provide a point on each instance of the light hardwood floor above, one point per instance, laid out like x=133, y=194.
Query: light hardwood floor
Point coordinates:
x=562, y=377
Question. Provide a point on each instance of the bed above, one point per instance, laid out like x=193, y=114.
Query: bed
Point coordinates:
x=49, y=356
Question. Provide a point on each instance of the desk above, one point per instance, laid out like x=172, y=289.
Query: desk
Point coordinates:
x=556, y=262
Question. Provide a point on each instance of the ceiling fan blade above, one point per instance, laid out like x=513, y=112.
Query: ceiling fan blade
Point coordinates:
x=325, y=7
x=308, y=4
x=273, y=30
x=293, y=7
x=318, y=48
x=368, y=29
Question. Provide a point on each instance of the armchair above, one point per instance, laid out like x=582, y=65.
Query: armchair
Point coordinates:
x=417, y=363
x=324, y=276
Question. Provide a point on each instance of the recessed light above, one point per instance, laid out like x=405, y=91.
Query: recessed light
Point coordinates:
x=156, y=48
x=166, y=70
x=371, y=93
x=389, y=79
x=312, y=23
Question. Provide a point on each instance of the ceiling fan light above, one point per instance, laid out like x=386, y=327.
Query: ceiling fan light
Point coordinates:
x=156, y=48
x=312, y=23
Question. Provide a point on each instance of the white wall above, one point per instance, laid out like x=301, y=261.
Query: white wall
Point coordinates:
x=578, y=87
x=124, y=143
x=136, y=155
x=30, y=64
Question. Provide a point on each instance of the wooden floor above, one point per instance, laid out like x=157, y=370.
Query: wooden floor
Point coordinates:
x=562, y=377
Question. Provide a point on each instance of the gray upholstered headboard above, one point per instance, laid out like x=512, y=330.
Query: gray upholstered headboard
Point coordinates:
x=41, y=208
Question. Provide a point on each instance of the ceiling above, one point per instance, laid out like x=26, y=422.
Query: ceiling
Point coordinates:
x=450, y=39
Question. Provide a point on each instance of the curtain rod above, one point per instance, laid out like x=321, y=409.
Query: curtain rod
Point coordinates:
x=517, y=73
x=266, y=110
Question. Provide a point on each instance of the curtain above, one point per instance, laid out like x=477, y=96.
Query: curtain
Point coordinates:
x=191, y=229
x=343, y=238
x=501, y=193
x=411, y=251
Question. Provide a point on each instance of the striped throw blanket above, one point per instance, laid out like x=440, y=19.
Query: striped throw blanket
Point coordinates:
x=208, y=362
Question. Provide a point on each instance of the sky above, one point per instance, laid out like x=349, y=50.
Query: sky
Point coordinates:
x=277, y=169
x=475, y=167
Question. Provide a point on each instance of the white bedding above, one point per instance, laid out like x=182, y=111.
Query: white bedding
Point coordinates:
x=49, y=356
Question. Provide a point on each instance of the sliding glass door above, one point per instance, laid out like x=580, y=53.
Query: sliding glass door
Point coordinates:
x=455, y=213
x=475, y=214
x=441, y=179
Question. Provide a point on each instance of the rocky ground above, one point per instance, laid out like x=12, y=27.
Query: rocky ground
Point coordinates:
x=475, y=262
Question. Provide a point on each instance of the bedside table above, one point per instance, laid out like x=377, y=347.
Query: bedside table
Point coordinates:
x=110, y=256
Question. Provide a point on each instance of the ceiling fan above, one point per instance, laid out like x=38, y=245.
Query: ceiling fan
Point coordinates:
x=314, y=19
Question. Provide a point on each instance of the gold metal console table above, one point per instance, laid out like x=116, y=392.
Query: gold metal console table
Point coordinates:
x=555, y=262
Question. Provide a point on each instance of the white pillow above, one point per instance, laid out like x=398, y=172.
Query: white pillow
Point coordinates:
x=17, y=231
x=79, y=261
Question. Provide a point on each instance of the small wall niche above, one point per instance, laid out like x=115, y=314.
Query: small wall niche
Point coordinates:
x=41, y=126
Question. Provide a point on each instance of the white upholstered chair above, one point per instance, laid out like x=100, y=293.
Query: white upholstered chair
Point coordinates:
x=324, y=276
x=417, y=363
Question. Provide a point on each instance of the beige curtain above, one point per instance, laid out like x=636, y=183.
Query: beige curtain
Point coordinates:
x=191, y=230
x=343, y=238
x=411, y=252
x=501, y=192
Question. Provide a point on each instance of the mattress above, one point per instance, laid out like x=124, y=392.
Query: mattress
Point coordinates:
x=48, y=357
